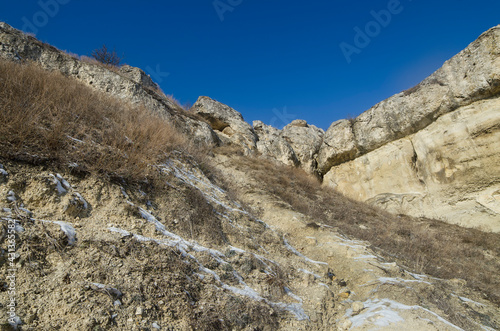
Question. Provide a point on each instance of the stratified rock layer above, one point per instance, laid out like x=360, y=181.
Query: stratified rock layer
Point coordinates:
x=471, y=75
x=450, y=170
x=430, y=151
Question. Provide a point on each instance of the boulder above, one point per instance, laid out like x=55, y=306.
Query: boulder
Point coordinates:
x=306, y=141
x=227, y=123
x=272, y=144
x=339, y=145
x=138, y=75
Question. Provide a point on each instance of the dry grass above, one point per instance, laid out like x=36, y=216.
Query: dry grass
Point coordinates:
x=47, y=117
x=422, y=245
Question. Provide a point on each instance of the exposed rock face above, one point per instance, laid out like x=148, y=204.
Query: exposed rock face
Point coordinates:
x=471, y=75
x=339, y=145
x=271, y=143
x=450, y=170
x=432, y=150
x=227, y=122
x=138, y=76
x=306, y=141
x=126, y=83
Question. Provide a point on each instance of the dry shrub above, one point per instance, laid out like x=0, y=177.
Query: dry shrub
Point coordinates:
x=47, y=117
x=423, y=245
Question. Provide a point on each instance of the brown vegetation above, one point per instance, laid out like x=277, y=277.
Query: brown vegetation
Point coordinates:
x=47, y=117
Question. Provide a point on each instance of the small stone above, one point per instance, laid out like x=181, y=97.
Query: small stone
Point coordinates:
x=344, y=295
x=155, y=326
x=346, y=325
x=357, y=307
x=139, y=311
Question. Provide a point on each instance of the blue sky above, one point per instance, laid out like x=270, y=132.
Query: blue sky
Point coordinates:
x=271, y=60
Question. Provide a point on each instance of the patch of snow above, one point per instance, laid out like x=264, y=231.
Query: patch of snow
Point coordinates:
x=63, y=182
x=84, y=202
x=292, y=295
x=394, y=280
x=310, y=273
x=75, y=140
x=238, y=250
x=383, y=312
x=60, y=189
x=11, y=196
x=378, y=313
x=470, y=301
x=296, y=252
x=367, y=256
x=19, y=228
x=210, y=191
x=184, y=245
x=108, y=289
x=67, y=228
x=15, y=322
x=28, y=212
x=124, y=193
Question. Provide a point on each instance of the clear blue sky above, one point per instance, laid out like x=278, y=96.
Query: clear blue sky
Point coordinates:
x=270, y=60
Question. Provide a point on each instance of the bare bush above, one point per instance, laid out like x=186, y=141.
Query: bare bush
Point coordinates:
x=106, y=56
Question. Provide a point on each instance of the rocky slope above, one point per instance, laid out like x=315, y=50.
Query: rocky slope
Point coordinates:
x=95, y=252
x=95, y=255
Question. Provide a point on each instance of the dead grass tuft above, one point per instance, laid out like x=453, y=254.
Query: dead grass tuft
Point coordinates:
x=47, y=117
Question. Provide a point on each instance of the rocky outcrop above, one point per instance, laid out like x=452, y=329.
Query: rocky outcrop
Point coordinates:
x=339, y=145
x=125, y=83
x=306, y=141
x=471, y=75
x=226, y=122
x=432, y=150
x=137, y=75
x=450, y=170
x=272, y=144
